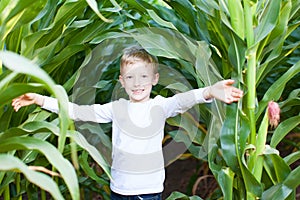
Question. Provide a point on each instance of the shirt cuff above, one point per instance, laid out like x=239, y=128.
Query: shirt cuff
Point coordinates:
x=50, y=104
x=199, y=96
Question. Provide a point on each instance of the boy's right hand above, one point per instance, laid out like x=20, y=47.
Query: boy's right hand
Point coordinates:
x=26, y=100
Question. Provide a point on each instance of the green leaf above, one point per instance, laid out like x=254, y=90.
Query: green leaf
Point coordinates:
x=93, y=152
x=226, y=179
x=94, y=6
x=269, y=19
x=228, y=138
x=77, y=137
x=283, y=129
x=277, y=86
x=291, y=158
x=89, y=171
x=160, y=21
x=231, y=144
x=10, y=163
x=19, y=13
x=186, y=11
x=237, y=17
x=22, y=65
x=276, y=168
x=51, y=153
x=283, y=189
x=153, y=39
x=179, y=195
x=236, y=54
x=17, y=89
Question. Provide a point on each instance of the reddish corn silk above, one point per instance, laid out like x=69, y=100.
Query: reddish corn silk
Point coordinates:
x=274, y=114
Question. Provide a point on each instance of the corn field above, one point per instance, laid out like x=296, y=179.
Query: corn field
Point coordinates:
x=70, y=49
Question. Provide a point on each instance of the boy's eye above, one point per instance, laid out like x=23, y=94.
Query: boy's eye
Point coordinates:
x=144, y=76
x=128, y=77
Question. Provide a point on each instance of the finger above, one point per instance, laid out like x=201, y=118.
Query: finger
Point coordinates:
x=14, y=102
x=229, y=82
x=237, y=94
x=17, y=99
x=17, y=107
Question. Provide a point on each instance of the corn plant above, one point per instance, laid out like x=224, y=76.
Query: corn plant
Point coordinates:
x=206, y=40
x=249, y=41
x=47, y=60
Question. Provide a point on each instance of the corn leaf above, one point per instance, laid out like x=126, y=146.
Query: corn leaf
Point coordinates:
x=11, y=163
x=51, y=153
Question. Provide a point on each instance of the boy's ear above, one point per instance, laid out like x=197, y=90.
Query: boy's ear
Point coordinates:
x=121, y=80
x=155, y=79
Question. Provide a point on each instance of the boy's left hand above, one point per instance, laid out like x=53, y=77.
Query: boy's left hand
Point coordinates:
x=224, y=91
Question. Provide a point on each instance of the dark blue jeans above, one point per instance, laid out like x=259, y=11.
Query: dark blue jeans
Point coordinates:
x=115, y=196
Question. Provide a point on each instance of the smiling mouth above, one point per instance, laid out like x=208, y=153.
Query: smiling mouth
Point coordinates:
x=138, y=91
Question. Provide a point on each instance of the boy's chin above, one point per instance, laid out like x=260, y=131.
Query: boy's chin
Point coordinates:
x=137, y=99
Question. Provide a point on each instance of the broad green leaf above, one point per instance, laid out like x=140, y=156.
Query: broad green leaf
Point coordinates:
x=277, y=86
x=276, y=168
x=196, y=150
x=186, y=10
x=51, y=153
x=231, y=149
x=64, y=16
x=89, y=171
x=256, y=160
x=236, y=54
x=291, y=102
x=236, y=17
x=283, y=129
x=154, y=39
x=160, y=21
x=6, y=80
x=17, y=89
x=93, y=152
x=229, y=138
x=268, y=21
x=64, y=55
x=95, y=131
x=77, y=137
x=207, y=6
x=21, y=14
x=285, y=188
x=11, y=163
x=179, y=195
x=13, y=132
x=291, y=158
x=283, y=20
x=29, y=42
x=226, y=179
x=22, y=65
x=94, y=6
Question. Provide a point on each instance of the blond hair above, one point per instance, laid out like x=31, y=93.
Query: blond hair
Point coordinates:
x=136, y=53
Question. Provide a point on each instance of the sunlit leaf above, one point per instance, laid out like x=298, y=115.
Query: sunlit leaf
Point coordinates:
x=283, y=129
x=10, y=163
x=22, y=65
x=51, y=153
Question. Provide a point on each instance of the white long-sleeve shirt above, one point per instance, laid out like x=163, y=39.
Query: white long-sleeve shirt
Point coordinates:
x=137, y=133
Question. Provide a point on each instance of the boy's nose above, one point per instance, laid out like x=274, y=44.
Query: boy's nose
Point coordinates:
x=137, y=81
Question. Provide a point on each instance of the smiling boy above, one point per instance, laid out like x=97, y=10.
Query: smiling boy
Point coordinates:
x=138, y=123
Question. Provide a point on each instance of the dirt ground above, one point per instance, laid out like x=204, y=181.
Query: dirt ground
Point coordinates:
x=190, y=177
x=182, y=176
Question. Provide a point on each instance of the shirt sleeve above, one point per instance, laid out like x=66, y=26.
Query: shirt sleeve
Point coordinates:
x=93, y=113
x=180, y=103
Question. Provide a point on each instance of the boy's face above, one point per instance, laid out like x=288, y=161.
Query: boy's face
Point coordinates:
x=137, y=79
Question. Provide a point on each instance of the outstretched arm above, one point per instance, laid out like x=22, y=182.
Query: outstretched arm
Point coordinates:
x=26, y=100
x=224, y=91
